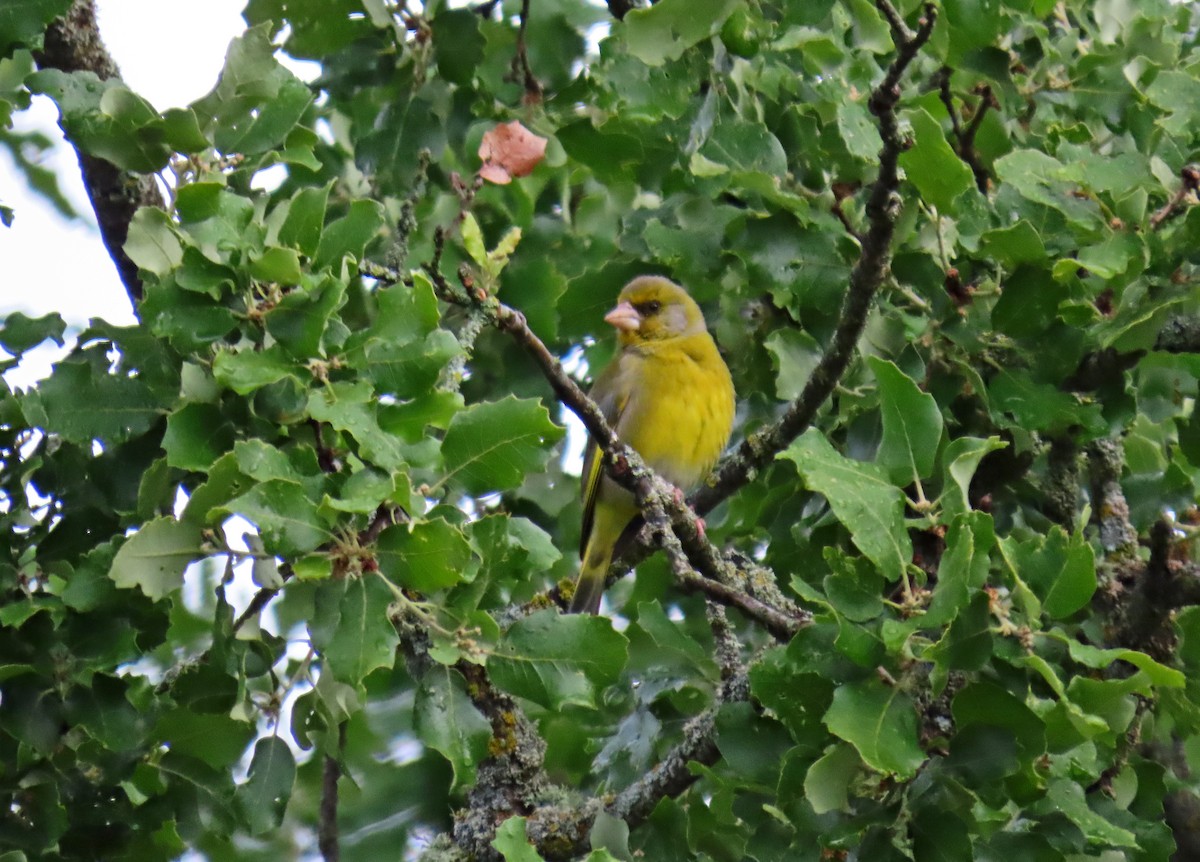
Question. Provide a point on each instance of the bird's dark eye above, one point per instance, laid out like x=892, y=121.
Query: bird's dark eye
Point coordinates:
x=653, y=306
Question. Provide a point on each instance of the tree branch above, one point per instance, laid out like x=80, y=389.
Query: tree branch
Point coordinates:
x=964, y=139
x=520, y=64
x=883, y=209
x=1190, y=175
x=73, y=44
x=327, y=832
x=620, y=8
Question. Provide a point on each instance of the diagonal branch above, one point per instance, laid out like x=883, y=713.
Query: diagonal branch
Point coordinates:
x=883, y=209
x=73, y=44
x=696, y=563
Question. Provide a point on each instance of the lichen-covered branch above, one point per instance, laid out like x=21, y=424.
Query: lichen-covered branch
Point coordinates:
x=708, y=572
x=72, y=44
x=883, y=209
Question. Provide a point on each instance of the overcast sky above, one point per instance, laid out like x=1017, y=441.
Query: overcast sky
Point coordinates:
x=170, y=52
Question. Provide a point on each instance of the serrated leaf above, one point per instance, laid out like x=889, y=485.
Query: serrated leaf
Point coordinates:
x=301, y=229
x=153, y=244
x=350, y=407
x=912, y=424
x=244, y=371
x=352, y=629
x=555, y=660
x=447, y=721
x=1102, y=659
x=869, y=506
x=197, y=434
x=285, y=514
x=881, y=723
x=932, y=166
x=349, y=234
x=665, y=30
x=827, y=783
x=424, y=555
x=256, y=102
x=154, y=557
x=512, y=843
x=960, y=459
x=264, y=797
x=493, y=445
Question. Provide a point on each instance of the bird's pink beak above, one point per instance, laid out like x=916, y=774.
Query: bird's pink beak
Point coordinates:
x=624, y=317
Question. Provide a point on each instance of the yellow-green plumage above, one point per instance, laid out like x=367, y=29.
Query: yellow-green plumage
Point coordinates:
x=668, y=394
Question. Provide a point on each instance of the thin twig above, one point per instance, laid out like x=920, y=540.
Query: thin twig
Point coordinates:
x=1191, y=183
x=883, y=208
x=520, y=64
x=964, y=139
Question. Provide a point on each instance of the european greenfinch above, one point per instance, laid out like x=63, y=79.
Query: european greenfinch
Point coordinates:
x=668, y=394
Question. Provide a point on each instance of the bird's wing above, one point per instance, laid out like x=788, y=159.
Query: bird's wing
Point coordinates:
x=611, y=394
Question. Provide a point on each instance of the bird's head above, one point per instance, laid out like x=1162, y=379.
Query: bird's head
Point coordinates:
x=652, y=308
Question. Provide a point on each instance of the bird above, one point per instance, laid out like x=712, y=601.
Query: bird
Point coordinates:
x=667, y=393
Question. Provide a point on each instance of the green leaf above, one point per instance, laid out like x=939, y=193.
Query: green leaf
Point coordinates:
x=105, y=119
x=555, y=660
x=217, y=739
x=492, y=446
x=20, y=332
x=352, y=629
x=960, y=460
x=794, y=354
x=985, y=704
x=940, y=835
x=447, y=721
x=425, y=555
x=827, y=783
x=912, y=425
x=932, y=166
x=1014, y=245
x=512, y=843
x=256, y=102
x=870, y=507
x=301, y=229
x=665, y=30
x=278, y=265
x=1040, y=406
x=197, y=434
x=858, y=129
x=349, y=234
x=22, y=22
x=350, y=407
x=457, y=44
x=153, y=243
x=155, y=556
x=881, y=723
x=1060, y=569
x=182, y=129
x=1066, y=797
x=1102, y=659
x=285, y=514
x=263, y=799
x=198, y=201
x=244, y=371
x=1040, y=178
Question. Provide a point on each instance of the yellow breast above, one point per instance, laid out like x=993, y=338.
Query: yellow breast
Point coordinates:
x=680, y=418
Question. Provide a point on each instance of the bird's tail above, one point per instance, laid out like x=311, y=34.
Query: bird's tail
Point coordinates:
x=589, y=586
